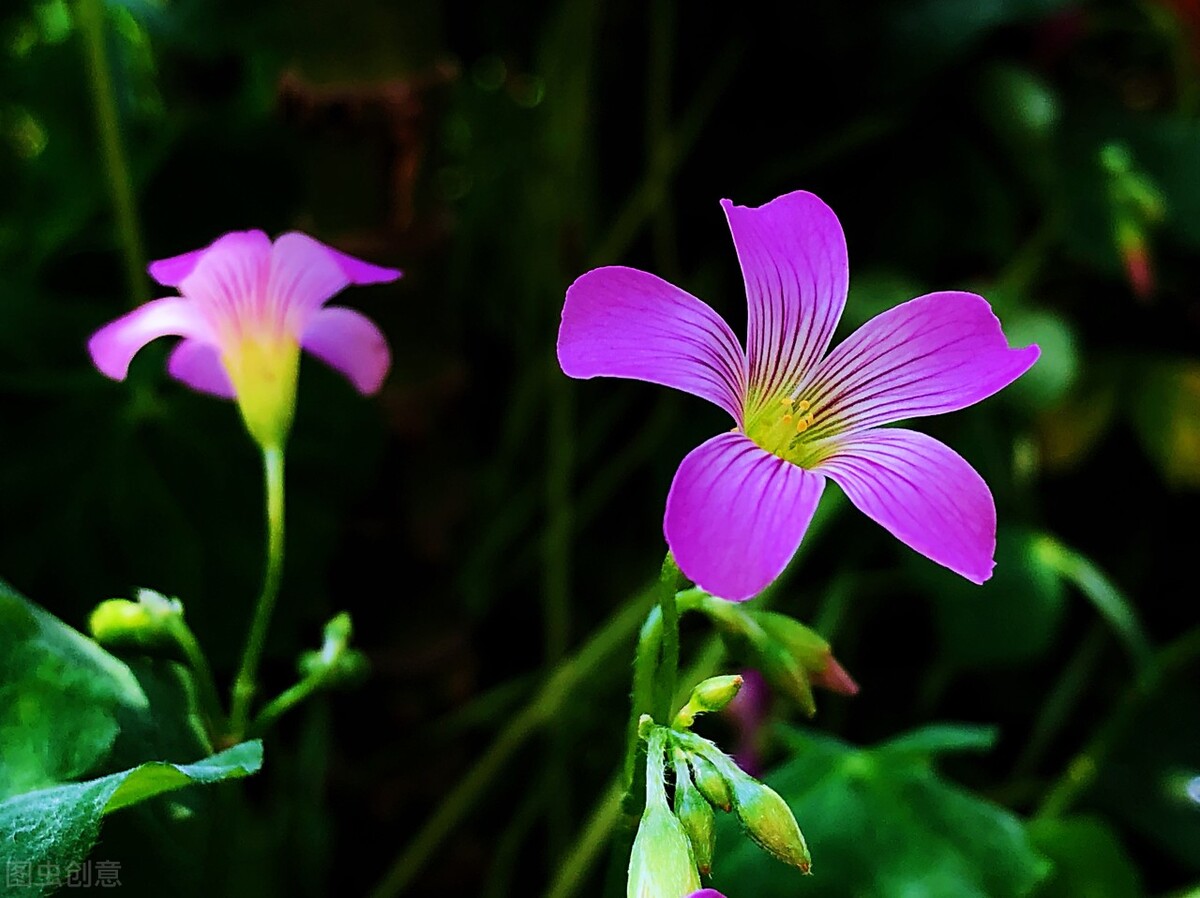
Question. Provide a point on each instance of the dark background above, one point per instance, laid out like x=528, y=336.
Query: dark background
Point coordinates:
x=483, y=514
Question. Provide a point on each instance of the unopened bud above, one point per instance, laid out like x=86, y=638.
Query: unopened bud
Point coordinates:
x=145, y=624
x=807, y=660
x=762, y=812
x=696, y=815
x=835, y=679
x=803, y=644
x=335, y=662
x=769, y=821
x=710, y=783
x=711, y=695
x=661, y=864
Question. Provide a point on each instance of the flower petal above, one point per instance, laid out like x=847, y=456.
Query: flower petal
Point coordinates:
x=114, y=345
x=793, y=257
x=621, y=322
x=936, y=353
x=228, y=281
x=359, y=272
x=736, y=514
x=350, y=342
x=305, y=273
x=923, y=493
x=198, y=364
x=171, y=272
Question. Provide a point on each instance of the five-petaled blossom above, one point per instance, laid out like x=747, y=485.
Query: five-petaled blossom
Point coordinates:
x=740, y=502
x=247, y=308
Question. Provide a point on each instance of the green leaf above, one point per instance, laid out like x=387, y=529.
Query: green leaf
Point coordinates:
x=1089, y=861
x=1112, y=604
x=58, y=826
x=60, y=696
x=881, y=822
x=941, y=738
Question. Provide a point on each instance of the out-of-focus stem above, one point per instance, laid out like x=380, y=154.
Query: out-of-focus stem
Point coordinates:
x=519, y=728
x=206, y=687
x=591, y=841
x=1082, y=770
x=120, y=185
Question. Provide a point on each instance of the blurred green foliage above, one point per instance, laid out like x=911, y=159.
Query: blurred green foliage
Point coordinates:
x=484, y=515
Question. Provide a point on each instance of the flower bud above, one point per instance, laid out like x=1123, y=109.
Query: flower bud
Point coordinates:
x=145, y=624
x=795, y=658
x=696, y=815
x=764, y=815
x=661, y=864
x=335, y=662
x=711, y=695
x=710, y=783
x=769, y=821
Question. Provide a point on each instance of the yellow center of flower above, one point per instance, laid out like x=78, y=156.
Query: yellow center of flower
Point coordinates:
x=785, y=427
x=264, y=374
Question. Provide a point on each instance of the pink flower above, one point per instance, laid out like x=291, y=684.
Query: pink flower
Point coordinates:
x=247, y=308
x=706, y=893
x=740, y=502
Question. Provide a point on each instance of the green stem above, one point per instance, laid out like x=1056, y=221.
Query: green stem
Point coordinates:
x=245, y=684
x=556, y=568
x=519, y=728
x=91, y=24
x=590, y=843
x=284, y=702
x=206, y=687
x=668, y=671
x=1082, y=770
x=1062, y=699
x=645, y=666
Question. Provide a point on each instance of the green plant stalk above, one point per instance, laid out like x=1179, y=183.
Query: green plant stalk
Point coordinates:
x=120, y=184
x=645, y=666
x=245, y=684
x=668, y=670
x=520, y=727
x=206, y=687
x=610, y=811
x=595, y=834
x=655, y=670
x=1082, y=770
x=284, y=702
x=556, y=586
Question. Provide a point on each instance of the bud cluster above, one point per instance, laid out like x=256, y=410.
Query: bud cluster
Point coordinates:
x=673, y=847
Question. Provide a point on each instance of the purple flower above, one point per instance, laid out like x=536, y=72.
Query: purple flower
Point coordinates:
x=740, y=502
x=247, y=307
x=706, y=893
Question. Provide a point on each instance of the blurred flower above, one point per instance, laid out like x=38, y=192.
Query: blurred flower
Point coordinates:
x=740, y=502
x=749, y=711
x=706, y=893
x=1137, y=206
x=247, y=308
